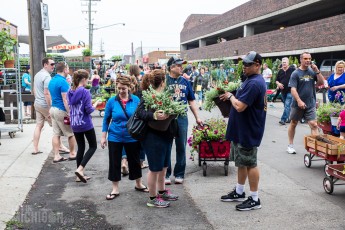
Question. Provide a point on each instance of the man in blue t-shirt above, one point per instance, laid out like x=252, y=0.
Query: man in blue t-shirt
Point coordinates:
x=245, y=131
x=58, y=88
x=183, y=91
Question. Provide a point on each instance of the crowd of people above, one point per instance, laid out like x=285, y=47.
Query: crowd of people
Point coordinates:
x=68, y=110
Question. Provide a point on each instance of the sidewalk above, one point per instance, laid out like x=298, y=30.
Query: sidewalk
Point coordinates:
x=19, y=168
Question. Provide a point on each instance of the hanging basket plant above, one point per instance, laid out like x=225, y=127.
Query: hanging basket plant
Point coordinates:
x=7, y=43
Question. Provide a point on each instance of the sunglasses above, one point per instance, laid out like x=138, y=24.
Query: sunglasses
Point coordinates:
x=52, y=64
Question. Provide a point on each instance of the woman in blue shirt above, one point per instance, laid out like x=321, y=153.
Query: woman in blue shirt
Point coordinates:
x=336, y=83
x=117, y=112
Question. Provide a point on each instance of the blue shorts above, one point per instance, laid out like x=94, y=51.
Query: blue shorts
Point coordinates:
x=158, y=151
x=342, y=129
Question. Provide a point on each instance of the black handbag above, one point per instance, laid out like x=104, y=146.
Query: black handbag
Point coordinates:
x=136, y=127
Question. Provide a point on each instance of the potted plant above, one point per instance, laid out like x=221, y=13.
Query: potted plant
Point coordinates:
x=87, y=55
x=212, y=96
x=7, y=43
x=163, y=101
x=324, y=113
x=209, y=140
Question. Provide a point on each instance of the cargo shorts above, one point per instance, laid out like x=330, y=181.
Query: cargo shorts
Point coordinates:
x=243, y=156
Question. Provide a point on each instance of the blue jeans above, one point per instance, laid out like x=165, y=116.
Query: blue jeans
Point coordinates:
x=180, y=142
x=287, y=99
x=268, y=85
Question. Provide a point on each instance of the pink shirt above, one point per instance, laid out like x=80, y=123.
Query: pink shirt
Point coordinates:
x=342, y=117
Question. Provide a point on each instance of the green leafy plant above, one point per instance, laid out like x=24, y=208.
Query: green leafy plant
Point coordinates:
x=116, y=58
x=220, y=88
x=326, y=110
x=163, y=101
x=7, y=43
x=214, y=130
x=87, y=52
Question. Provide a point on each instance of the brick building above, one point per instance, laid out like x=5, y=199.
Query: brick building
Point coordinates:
x=274, y=28
x=159, y=56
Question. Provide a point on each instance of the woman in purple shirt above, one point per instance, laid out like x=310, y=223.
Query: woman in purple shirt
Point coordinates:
x=79, y=101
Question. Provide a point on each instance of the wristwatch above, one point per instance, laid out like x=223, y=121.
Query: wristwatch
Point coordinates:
x=230, y=96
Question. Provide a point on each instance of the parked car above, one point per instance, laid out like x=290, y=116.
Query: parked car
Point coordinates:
x=327, y=66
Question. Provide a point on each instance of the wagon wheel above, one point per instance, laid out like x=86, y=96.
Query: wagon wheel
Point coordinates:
x=204, y=168
x=199, y=160
x=101, y=113
x=325, y=169
x=307, y=160
x=328, y=185
x=12, y=134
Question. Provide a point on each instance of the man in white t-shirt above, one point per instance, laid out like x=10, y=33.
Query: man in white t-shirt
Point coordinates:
x=267, y=74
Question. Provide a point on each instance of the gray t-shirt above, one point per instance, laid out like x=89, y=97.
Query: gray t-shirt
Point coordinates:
x=41, y=81
x=304, y=81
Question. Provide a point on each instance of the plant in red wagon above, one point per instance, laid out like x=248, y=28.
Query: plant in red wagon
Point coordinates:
x=212, y=97
x=163, y=101
x=213, y=132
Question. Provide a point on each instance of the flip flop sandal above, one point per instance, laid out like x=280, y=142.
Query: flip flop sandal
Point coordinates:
x=35, y=153
x=72, y=158
x=64, y=151
x=112, y=196
x=145, y=189
x=81, y=177
x=144, y=166
x=86, y=177
x=60, y=160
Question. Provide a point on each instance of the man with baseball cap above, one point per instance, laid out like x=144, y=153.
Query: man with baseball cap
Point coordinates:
x=182, y=91
x=245, y=131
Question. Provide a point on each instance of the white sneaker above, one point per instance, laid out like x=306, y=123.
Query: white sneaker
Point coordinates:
x=291, y=150
x=178, y=180
x=167, y=181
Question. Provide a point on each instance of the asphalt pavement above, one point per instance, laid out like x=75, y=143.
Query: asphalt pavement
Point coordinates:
x=292, y=195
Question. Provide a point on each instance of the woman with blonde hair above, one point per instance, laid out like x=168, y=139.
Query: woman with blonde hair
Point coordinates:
x=336, y=83
x=117, y=112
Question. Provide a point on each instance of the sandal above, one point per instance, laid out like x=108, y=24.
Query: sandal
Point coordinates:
x=81, y=177
x=124, y=171
x=144, y=189
x=86, y=177
x=112, y=196
x=60, y=160
x=35, y=153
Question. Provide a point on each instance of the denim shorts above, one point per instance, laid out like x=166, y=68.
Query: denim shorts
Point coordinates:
x=243, y=157
x=158, y=151
x=342, y=129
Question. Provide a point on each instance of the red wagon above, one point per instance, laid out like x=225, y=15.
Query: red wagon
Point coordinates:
x=316, y=145
x=213, y=151
x=336, y=172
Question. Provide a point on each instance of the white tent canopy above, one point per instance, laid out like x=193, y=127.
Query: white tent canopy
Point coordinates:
x=79, y=53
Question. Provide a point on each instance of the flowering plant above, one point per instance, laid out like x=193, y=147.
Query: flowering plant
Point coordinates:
x=163, y=101
x=220, y=88
x=7, y=42
x=327, y=110
x=213, y=130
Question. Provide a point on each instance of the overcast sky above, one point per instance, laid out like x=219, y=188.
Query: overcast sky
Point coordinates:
x=155, y=23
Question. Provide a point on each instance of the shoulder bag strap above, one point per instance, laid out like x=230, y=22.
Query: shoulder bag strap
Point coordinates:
x=124, y=111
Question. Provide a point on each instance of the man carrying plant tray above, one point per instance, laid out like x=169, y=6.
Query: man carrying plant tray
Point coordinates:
x=182, y=92
x=245, y=131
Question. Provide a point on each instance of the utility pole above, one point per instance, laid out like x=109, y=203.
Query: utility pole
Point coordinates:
x=89, y=11
x=36, y=37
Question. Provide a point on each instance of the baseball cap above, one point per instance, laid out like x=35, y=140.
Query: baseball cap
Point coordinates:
x=175, y=60
x=252, y=57
x=27, y=67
